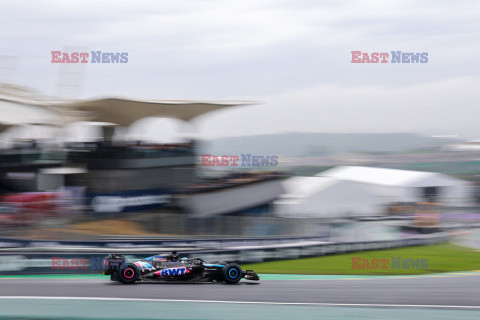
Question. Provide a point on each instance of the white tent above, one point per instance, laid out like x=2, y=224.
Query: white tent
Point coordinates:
x=391, y=185
x=320, y=197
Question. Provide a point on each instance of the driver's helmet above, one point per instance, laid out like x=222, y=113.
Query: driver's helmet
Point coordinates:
x=184, y=260
x=175, y=256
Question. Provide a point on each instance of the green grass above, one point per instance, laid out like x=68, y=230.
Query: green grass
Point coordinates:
x=441, y=258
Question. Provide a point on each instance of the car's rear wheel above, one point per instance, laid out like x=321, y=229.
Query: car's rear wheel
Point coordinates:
x=232, y=273
x=129, y=273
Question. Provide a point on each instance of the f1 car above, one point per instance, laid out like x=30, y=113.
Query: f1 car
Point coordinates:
x=169, y=267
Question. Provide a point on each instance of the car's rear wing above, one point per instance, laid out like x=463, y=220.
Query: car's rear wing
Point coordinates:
x=113, y=263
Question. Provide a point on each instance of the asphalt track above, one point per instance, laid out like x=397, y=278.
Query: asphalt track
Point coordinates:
x=458, y=293
x=461, y=289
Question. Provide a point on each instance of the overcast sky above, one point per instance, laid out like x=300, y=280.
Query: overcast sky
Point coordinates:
x=294, y=56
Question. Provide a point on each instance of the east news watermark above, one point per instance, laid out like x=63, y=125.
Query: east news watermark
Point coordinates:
x=92, y=263
x=89, y=57
x=392, y=263
x=243, y=160
x=389, y=57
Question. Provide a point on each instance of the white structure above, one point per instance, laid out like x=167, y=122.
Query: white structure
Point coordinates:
x=319, y=197
x=392, y=185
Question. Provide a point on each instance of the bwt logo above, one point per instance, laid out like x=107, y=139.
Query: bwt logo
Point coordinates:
x=396, y=263
x=396, y=57
x=77, y=263
x=247, y=160
x=96, y=57
x=173, y=272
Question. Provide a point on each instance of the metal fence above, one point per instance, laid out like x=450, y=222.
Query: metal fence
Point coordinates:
x=64, y=262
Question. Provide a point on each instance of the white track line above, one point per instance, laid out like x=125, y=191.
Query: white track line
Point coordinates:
x=375, y=305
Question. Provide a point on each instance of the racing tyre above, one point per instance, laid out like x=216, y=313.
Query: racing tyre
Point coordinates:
x=232, y=273
x=129, y=273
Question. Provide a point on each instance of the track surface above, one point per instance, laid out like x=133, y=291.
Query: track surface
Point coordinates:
x=462, y=290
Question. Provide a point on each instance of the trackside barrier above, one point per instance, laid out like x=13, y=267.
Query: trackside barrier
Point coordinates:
x=73, y=263
x=184, y=242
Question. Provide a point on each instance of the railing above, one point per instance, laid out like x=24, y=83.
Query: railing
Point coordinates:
x=63, y=262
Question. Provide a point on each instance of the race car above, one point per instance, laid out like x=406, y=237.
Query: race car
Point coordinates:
x=171, y=268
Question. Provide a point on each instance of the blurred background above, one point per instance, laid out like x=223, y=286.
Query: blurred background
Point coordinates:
x=83, y=169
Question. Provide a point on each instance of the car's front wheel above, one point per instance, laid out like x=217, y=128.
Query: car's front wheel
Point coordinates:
x=129, y=273
x=232, y=273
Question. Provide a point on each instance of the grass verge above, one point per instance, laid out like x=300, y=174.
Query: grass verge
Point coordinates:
x=440, y=258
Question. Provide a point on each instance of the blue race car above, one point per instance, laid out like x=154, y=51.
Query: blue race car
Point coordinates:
x=169, y=267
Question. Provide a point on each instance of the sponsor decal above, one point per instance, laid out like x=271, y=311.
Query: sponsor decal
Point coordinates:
x=143, y=265
x=213, y=265
x=389, y=57
x=180, y=271
x=123, y=203
x=244, y=160
x=89, y=57
x=159, y=259
x=393, y=263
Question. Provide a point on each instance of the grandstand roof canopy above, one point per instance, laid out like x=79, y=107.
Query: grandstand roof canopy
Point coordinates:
x=124, y=111
x=20, y=105
x=15, y=113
